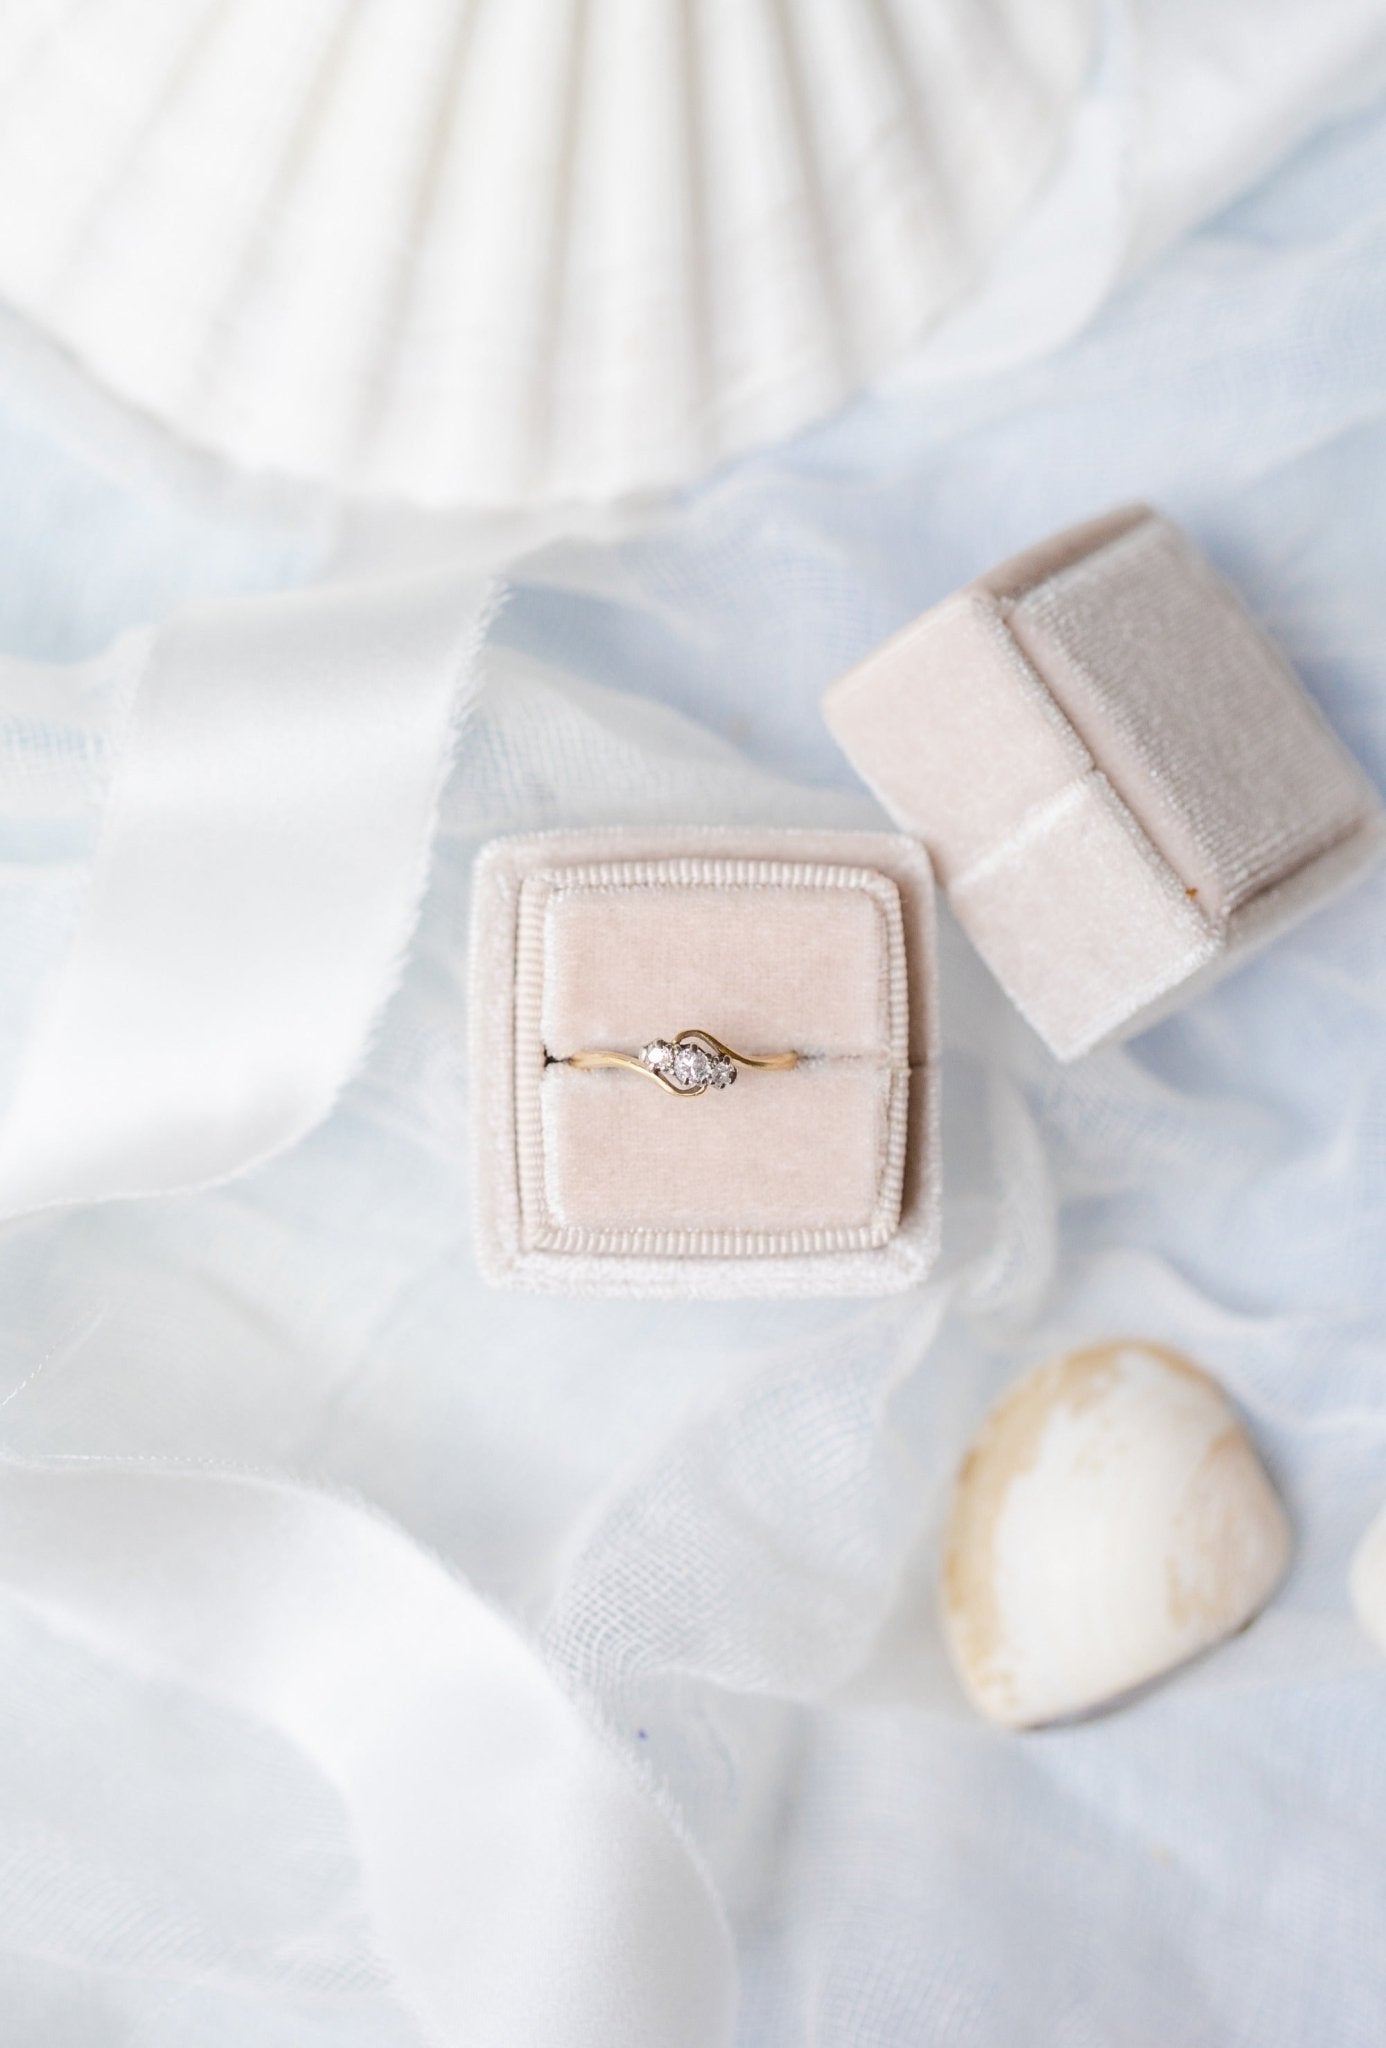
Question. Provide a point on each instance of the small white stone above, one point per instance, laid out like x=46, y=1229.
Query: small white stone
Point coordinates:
x=1369, y=1581
x=1111, y=1520
x=723, y=1071
x=657, y=1053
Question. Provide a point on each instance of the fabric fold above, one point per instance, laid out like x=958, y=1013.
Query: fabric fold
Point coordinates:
x=523, y=1884
x=257, y=876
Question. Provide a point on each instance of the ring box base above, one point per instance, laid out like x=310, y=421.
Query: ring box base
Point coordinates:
x=819, y=1180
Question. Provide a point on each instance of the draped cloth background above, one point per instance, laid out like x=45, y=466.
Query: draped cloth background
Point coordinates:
x=390, y=1661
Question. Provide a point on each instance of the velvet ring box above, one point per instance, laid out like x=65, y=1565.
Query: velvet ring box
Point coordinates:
x=1122, y=783
x=822, y=1179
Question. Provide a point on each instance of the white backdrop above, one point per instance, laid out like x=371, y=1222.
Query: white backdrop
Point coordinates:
x=227, y=1810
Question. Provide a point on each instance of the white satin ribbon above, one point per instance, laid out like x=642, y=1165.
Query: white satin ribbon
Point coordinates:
x=525, y=1887
x=257, y=878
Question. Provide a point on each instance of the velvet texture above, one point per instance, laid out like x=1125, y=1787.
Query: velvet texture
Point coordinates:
x=819, y=1179
x=1122, y=784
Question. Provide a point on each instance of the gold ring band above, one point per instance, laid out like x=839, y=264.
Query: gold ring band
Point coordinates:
x=689, y=1063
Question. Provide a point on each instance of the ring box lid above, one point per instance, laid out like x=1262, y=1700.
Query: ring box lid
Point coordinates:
x=1122, y=784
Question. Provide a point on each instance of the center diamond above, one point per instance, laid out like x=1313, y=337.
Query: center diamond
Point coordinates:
x=691, y=1066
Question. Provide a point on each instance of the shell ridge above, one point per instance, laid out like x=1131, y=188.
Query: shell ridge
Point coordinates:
x=245, y=276
x=398, y=297
x=85, y=234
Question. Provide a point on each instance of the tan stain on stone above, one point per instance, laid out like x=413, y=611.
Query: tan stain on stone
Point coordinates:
x=1007, y=1446
x=1230, y=1545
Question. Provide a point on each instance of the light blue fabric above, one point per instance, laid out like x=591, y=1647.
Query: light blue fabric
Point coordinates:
x=722, y=1518
x=103, y=527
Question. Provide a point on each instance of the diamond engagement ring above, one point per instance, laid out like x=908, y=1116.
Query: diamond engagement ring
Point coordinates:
x=689, y=1063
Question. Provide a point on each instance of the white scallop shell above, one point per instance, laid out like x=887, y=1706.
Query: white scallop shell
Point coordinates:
x=1110, y=1521
x=511, y=252
x=1368, y=1581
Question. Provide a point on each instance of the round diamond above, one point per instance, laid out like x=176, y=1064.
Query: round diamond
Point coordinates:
x=723, y=1071
x=691, y=1066
x=657, y=1053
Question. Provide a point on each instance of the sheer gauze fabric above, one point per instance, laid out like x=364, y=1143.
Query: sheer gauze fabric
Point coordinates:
x=697, y=1540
